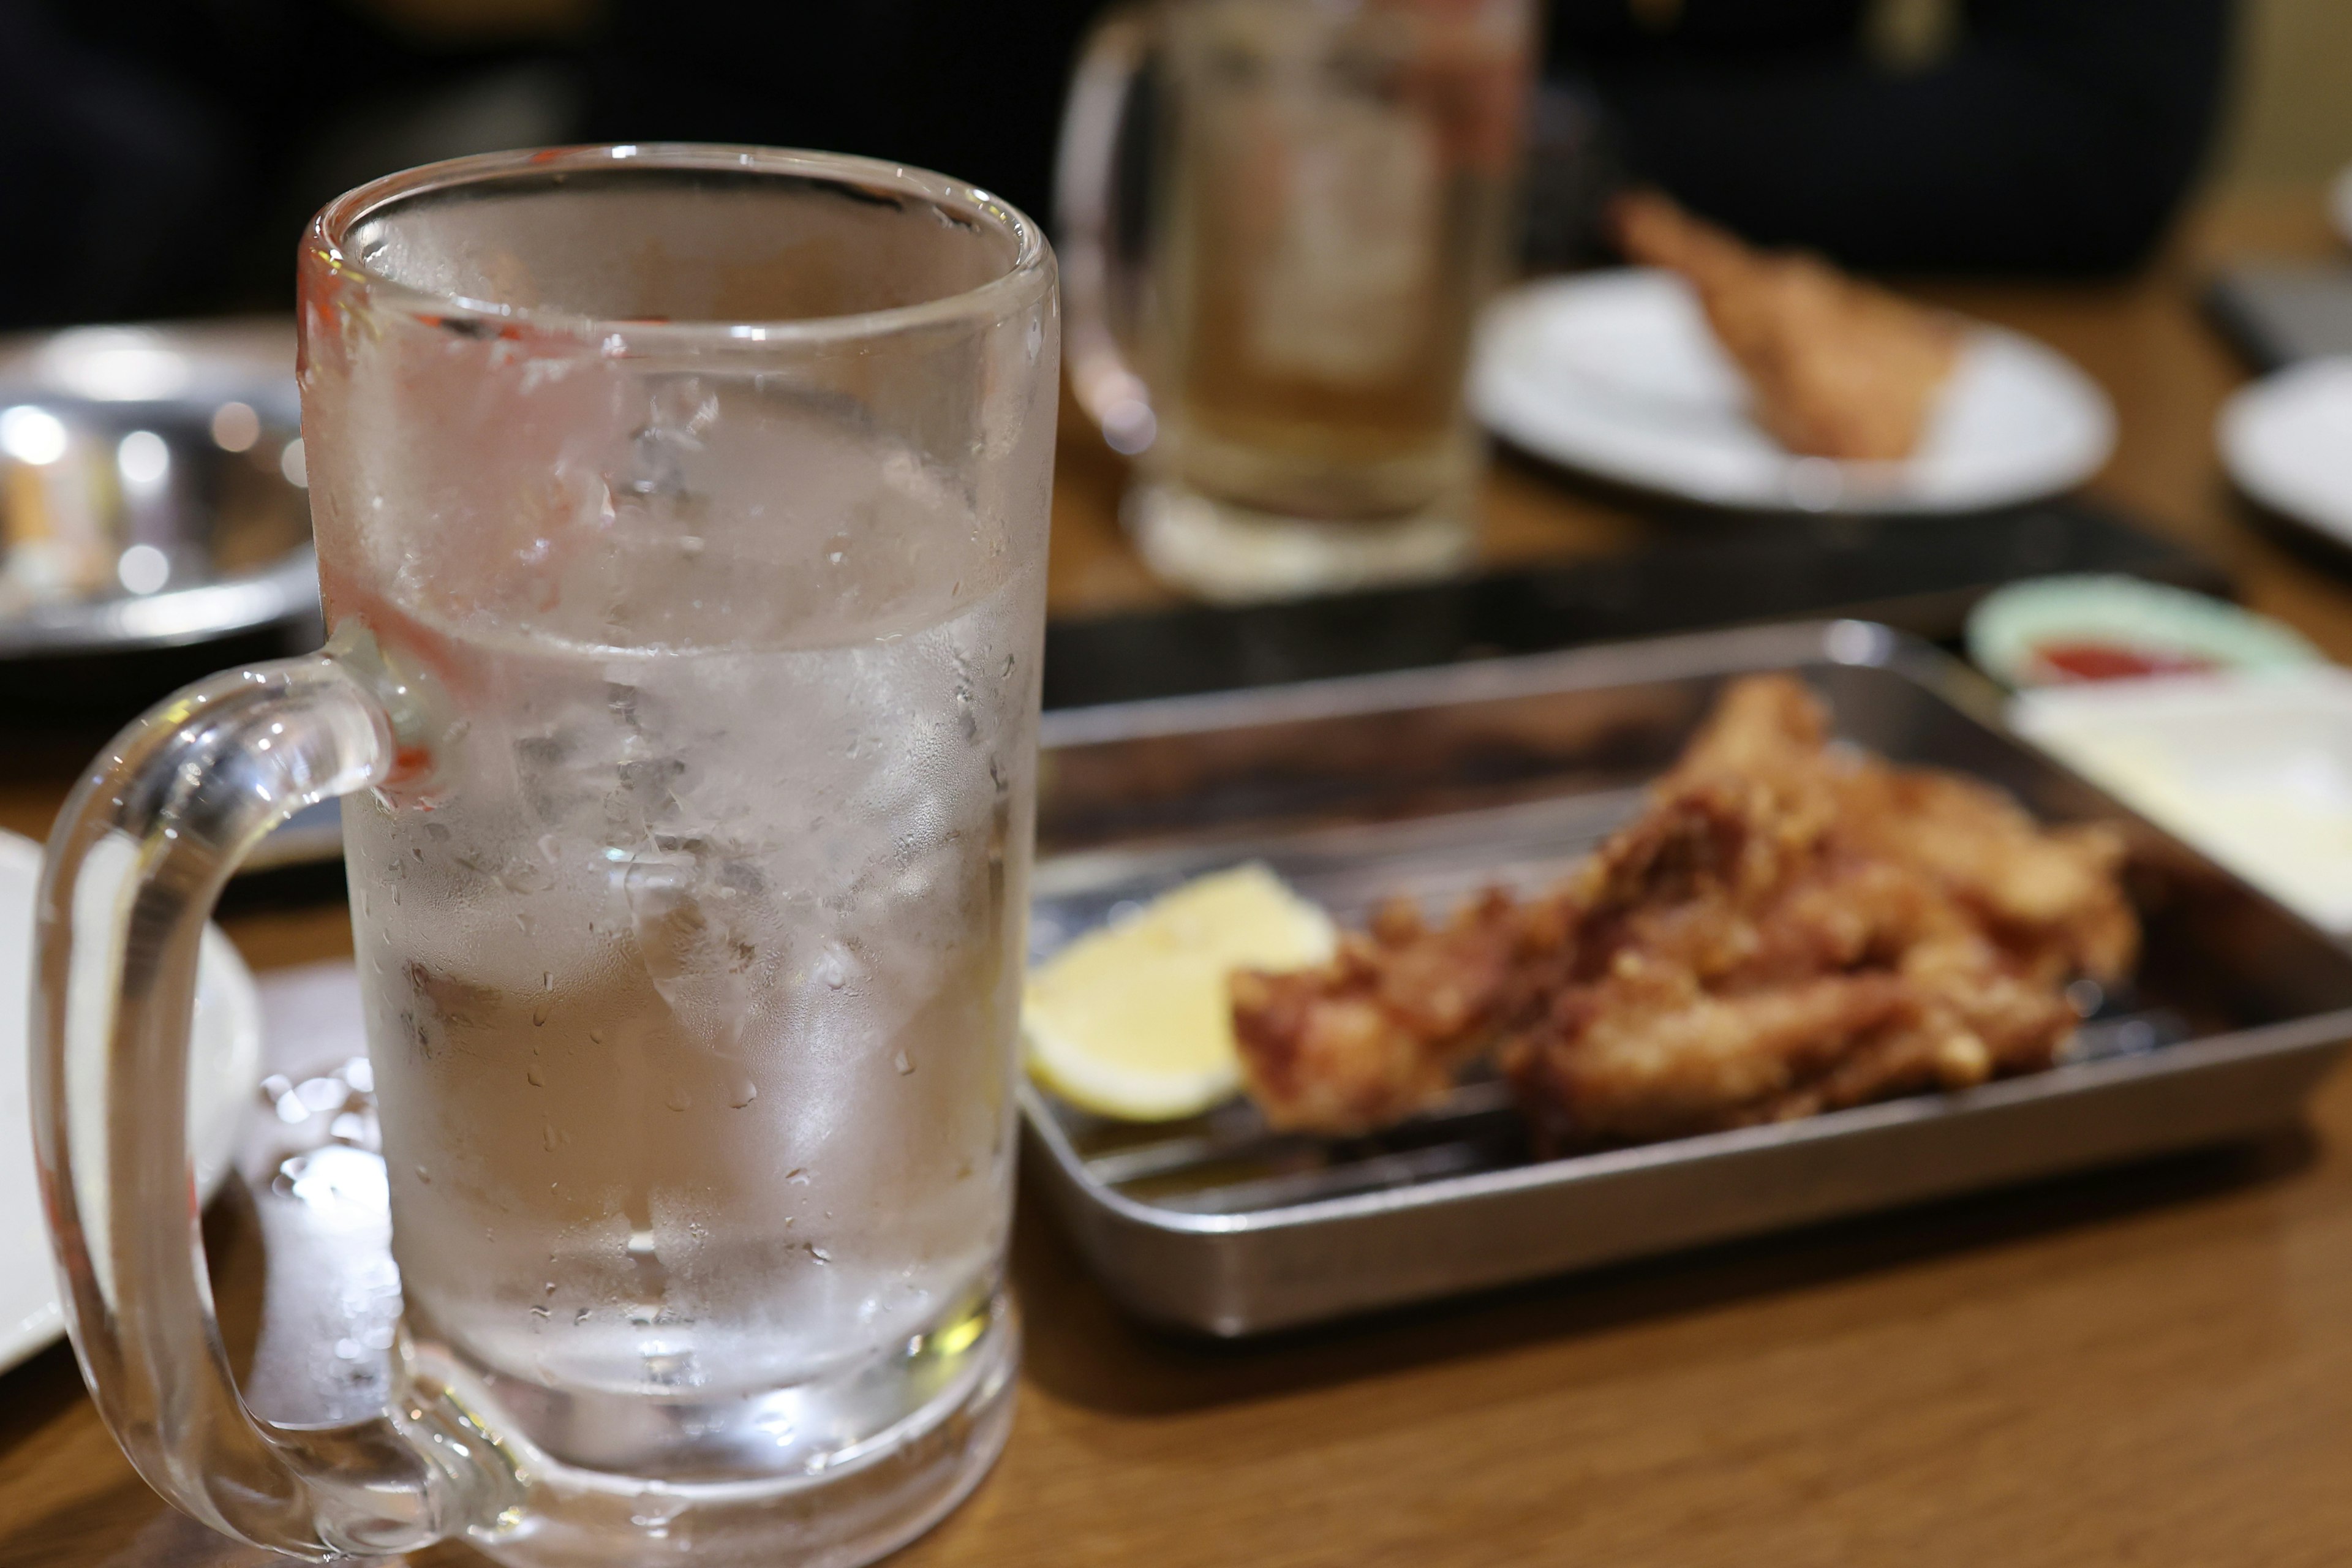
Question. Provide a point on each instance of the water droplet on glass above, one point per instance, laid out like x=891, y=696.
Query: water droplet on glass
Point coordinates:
x=539, y=1312
x=537, y=1078
x=581, y=1316
x=797, y=1175
x=550, y=1287
x=819, y=1254
x=539, y=1015
x=547, y=980
x=547, y=1136
x=595, y=1037
x=520, y=876
x=743, y=1094
x=679, y=1099
x=425, y=1175
x=904, y=1064
x=1008, y=665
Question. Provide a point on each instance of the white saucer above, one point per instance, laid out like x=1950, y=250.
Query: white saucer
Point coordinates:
x=225, y=1071
x=2253, y=767
x=2287, y=440
x=1616, y=373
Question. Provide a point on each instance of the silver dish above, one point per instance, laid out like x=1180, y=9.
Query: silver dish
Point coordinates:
x=1434, y=783
x=151, y=488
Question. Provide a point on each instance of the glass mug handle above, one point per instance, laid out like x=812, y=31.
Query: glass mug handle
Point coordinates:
x=134, y=866
x=1085, y=201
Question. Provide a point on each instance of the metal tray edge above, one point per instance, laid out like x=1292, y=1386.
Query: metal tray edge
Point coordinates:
x=1676, y=656
x=2320, y=1032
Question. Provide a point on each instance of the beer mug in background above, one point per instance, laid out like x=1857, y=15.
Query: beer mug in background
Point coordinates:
x=1331, y=198
x=682, y=522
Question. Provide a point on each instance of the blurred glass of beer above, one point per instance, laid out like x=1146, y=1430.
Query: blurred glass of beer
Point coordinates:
x=1331, y=200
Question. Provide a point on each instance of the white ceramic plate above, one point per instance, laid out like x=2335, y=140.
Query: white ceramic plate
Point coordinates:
x=1616, y=373
x=2254, y=768
x=2287, y=440
x=225, y=1067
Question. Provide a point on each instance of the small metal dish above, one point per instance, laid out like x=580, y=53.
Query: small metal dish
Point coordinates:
x=151, y=488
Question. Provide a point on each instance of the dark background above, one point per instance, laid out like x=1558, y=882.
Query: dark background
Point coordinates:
x=157, y=157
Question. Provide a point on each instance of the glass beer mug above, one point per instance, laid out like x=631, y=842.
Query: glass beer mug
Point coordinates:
x=681, y=524
x=1331, y=199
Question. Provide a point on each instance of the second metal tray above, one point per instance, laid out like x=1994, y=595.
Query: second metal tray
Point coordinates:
x=1436, y=782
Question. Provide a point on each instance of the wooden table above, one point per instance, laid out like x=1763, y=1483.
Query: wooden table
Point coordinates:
x=2152, y=1365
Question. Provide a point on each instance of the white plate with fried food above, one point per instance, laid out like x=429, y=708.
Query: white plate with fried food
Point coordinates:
x=1735, y=378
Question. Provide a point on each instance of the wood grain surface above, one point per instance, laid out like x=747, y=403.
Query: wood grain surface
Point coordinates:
x=2151, y=1365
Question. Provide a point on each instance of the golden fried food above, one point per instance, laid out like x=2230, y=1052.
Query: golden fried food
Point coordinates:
x=1788, y=927
x=1379, y=1032
x=1837, y=368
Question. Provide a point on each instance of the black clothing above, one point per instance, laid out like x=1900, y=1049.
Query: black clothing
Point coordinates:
x=2057, y=135
x=970, y=90
x=159, y=156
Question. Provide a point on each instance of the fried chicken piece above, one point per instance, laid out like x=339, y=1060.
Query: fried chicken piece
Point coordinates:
x=2053, y=896
x=1379, y=1033
x=1648, y=1053
x=1854, y=931
x=1837, y=368
x=1770, y=730
x=1788, y=927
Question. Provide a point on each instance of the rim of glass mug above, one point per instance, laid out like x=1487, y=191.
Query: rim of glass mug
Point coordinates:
x=1030, y=272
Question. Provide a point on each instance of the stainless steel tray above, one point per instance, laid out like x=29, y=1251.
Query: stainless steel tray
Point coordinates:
x=1437, y=781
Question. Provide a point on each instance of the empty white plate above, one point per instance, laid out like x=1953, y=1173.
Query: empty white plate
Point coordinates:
x=1616, y=373
x=224, y=1070
x=2254, y=768
x=2287, y=440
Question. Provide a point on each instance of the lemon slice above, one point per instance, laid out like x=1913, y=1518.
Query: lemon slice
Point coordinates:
x=1132, y=1020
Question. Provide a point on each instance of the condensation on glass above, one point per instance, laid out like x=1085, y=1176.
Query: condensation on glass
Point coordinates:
x=681, y=519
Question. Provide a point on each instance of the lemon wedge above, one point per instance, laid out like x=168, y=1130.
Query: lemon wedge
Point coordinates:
x=1132, y=1020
